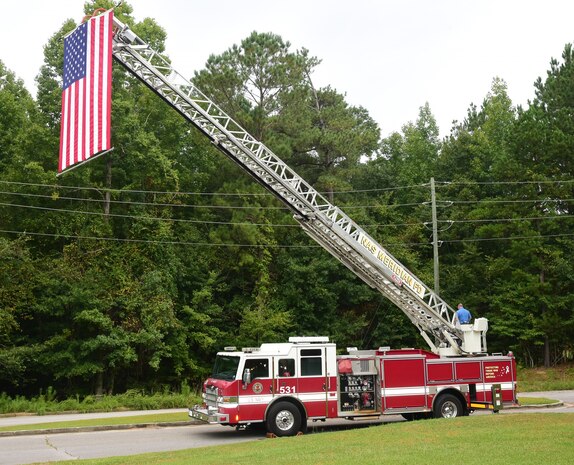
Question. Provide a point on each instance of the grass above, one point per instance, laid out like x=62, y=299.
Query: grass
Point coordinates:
x=130, y=420
x=493, y=439
x=557, y=378
x=535, y=400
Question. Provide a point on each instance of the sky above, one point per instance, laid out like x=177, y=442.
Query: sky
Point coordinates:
x=390, y=57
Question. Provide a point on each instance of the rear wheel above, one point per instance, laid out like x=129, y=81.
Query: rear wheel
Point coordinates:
x=284, y=419
x=448, y=406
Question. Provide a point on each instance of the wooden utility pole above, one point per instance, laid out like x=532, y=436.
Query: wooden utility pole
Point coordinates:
x=434, y=237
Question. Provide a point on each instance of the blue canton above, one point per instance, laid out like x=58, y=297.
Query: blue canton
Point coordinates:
x=75, y=50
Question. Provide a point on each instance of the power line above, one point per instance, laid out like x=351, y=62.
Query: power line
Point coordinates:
x=447, y=183
x=278, y=246
x=183, y=220
x=130, y=202
x=494, y=220
x=141, y=217
x=510, y=201
x=230, y=194
x=279, y=225
x=160, y=204
x=150, y=241
x=511, y=238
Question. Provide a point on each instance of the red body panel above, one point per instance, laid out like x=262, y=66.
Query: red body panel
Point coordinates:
x=403, y=382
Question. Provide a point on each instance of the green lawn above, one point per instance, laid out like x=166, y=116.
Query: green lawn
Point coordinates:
x=490, y=439
x=546, y=379
x=535, y=400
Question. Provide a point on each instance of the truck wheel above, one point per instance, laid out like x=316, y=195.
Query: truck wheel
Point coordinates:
x=284, y=419
x=447, y=406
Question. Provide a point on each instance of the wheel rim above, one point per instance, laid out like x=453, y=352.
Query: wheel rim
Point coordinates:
x=284, y=420
x=449, y=409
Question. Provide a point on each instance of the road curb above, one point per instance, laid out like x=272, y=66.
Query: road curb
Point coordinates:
x=88, y=429
x=527, y=407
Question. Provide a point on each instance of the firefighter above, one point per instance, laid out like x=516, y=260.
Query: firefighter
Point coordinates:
x=462, y=315
x=284, y=371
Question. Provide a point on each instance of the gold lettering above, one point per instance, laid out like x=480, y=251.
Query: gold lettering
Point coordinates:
x=393, y=266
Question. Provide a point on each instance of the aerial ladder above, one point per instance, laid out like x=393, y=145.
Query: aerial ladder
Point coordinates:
x=324, y=222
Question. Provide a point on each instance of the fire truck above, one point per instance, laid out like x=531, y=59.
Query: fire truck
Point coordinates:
x=285, y=384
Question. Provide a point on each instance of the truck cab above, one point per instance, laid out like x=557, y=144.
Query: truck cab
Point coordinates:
x=281, y=385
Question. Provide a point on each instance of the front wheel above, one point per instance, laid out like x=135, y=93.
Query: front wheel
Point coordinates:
x=447, y=406
x=284, y=419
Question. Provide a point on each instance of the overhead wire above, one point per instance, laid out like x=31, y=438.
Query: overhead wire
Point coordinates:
x=278, y=246
x=446, y=183
x=156, y=204
x=183, y=220
x=215, y=194
x=179, y=205
x=155, y=241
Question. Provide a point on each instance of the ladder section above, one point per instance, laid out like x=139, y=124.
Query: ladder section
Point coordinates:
x=324, y=222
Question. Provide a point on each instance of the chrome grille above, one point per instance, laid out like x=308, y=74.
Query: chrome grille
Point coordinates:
x=211, y=396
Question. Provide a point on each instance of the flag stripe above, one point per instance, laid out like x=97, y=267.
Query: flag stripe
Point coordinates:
x=88, y=109
x=62, y=130
x=101, y=80
x=97, y=84
x=105, y=83
x=86, y=97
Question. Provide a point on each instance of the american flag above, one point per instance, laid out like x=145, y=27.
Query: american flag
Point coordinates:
x=87, y=91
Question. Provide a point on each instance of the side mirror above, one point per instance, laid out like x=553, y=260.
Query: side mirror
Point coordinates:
x=246, y=378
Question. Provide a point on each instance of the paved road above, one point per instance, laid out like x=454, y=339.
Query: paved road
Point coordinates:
x=19, y=450
x=35, y=419
x=565, y=396
x=70, y=446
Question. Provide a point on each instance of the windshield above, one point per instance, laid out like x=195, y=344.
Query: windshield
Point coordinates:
x=225, y=367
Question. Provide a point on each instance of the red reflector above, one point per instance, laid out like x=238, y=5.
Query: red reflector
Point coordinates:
x=222, y=418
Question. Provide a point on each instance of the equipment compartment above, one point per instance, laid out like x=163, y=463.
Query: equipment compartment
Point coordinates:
x=357, y=393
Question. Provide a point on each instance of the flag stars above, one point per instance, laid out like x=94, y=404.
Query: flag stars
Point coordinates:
x=75, y=46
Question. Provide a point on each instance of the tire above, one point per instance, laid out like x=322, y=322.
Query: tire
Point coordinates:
x=448, y=406
x=284, y=419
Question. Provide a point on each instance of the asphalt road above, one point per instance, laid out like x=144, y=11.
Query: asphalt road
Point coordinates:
x=19, y=450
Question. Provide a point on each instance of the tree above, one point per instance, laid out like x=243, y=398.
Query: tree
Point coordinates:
x=543, y=144
x=249, y=80
x=327, y=136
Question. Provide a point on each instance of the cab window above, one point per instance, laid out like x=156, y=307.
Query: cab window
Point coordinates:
x=311, y=362
x=258, y=367
x=286, y=367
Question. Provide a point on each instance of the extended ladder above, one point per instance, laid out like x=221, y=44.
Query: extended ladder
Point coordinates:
x=324, y=222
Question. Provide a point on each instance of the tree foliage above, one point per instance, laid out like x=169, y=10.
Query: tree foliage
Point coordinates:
x=135, y=269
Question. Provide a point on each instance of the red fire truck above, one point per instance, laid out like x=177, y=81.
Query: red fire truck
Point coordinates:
x=284, y=385
x=250, y=386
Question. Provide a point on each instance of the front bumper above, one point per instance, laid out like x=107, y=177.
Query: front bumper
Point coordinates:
x=208, y=415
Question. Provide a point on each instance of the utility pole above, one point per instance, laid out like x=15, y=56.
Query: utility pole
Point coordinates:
x=434, y=236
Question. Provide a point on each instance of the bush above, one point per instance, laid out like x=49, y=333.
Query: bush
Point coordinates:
x=130, y=400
